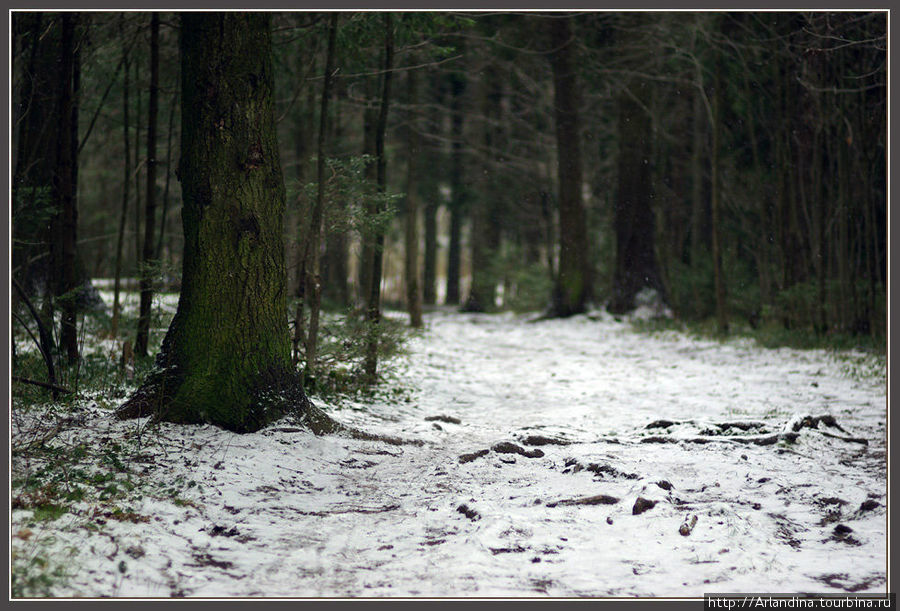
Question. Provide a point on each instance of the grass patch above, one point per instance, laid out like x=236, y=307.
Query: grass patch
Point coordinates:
x=767, y=336
x=861, y=358
x=34, y=575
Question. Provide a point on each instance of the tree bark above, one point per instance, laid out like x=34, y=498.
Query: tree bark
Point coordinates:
x=149, y=255
x=225, y=359
x=572, y=289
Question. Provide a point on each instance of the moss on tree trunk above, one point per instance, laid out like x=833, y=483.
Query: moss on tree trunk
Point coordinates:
x=226, y=357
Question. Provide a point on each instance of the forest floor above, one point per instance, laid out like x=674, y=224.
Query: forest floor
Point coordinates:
x=759, y=469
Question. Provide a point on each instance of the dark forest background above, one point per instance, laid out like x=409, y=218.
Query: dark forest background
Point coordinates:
x=732, y=162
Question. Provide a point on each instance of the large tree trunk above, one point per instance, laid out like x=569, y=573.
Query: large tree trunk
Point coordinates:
x=226, y=357
x=636, y=266
x=147, y=259
x=572, y=289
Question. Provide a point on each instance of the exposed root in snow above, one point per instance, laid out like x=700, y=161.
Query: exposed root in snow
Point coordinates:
x=749, y=432
x=599, y=499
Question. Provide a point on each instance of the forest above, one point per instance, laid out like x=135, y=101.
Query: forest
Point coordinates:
x=410, y=244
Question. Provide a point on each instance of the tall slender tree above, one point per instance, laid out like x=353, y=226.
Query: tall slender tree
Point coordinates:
x=457, y=189
x=126, y=183
x=373, y=305
x=313, y=272
x=413, y=287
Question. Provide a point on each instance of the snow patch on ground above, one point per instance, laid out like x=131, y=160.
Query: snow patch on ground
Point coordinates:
x=286, y=513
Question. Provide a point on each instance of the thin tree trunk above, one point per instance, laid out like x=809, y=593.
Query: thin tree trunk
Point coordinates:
x=45, y=343
x=721, y=305
x=697, y=201
x=370, y=122
x=165, y=200
x=373, y=307
x=457, y=203
x=147, y=260
x=334, y=272
x=429, y=272
x=304, y=144
x=126, y=183
x=413, y=292
x=137, y=171
x=313, y=277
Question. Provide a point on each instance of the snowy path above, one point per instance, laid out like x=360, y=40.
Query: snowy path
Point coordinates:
x=282, y=513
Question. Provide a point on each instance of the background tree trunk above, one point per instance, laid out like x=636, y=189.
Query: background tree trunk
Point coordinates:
x=715, y=203
x=413, y=288
x=572, y=289
x=373, y=306
x=65, y=187
x=149, y=253
x=429, y=265
x=457, y=190
x=636, y=266
x=313, y=267
x=481, y=241
x=126, y=183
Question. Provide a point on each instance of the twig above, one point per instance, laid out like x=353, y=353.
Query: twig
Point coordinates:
x=46, y=344
x=42, y=384
x=37, y=442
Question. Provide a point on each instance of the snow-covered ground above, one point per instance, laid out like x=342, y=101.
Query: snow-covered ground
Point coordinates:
x=595, y=416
